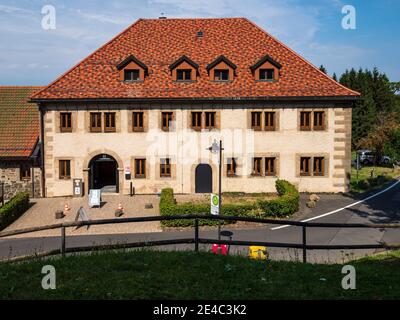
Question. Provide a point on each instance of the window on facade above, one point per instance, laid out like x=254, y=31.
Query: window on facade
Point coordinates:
x=109, y=122
x=210, y=120
x=319, y=166
x=221, y=75
x=95, y=122
x=196, y=120
x=319, y=120
x=267, y=74
x=256, y=120
x=167, y=118
x=24, y=172
x=165, y=167
x=65, y=122
x=269, y=121
x=140, y=168
x=183, y=74
x=65, y=169
x=305, y=166
x=305, y=120
x=132, y=75
x=137, y=121
x=256, y=166
x=270, y=169
x=231, y=167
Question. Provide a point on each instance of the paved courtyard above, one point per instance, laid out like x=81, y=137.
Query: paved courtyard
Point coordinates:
x=43, y=213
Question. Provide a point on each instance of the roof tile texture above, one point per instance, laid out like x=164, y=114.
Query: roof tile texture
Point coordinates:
x=160, y=42
x=19, y=121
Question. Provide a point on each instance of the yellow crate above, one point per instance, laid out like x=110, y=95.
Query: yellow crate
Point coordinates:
x=258, y=253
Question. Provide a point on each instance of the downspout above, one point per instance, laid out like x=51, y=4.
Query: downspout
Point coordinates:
x=42, y=157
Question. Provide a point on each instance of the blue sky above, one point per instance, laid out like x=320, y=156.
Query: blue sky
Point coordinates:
x=30, y=55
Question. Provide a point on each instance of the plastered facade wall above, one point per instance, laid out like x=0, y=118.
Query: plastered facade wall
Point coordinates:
x=287, y=144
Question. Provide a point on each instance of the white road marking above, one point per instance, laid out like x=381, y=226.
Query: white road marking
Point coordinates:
x=340, y=209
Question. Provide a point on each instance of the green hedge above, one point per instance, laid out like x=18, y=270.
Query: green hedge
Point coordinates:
x=13, y=209
x=286, y=204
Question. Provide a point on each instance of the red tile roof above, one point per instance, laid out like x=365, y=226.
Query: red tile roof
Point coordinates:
x=160, y=42
x=19, y=121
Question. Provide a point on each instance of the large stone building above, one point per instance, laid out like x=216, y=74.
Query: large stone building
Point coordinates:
x=142, y=110
x=19, y=142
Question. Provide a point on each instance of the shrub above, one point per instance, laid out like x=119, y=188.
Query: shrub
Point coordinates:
x=13, y=209
x=286, y=204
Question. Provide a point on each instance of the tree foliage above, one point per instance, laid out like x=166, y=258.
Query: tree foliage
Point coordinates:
x=378, y=101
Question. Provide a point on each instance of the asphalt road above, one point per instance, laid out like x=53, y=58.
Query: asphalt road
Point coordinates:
x=384, y=208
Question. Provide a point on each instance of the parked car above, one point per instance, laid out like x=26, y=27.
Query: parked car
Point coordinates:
x=367, y=157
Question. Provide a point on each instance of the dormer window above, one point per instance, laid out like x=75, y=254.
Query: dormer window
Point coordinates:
x=266, y=69
x=132, y=70
x=184, y=69
x=267, y=74
x=221, y=69
x=221, y=75
x=183, y=75
x=132, y=75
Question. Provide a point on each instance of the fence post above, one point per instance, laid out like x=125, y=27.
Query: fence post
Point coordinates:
x=63, y=241
x=196, y=235
x=304, y=243
x=2, y=194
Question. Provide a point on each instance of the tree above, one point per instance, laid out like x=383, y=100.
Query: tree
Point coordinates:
x=323, y=69
x=386, y=128
x=334, y=77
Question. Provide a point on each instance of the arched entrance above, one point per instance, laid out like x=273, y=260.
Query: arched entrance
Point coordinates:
x=203, y=178
x=103, y=174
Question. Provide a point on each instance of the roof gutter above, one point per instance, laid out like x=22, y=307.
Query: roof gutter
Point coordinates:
x=201, y=100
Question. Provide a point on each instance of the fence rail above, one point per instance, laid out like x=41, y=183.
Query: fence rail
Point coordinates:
x=196, y=240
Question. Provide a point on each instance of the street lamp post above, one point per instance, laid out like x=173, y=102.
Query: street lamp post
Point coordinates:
x=215, y=148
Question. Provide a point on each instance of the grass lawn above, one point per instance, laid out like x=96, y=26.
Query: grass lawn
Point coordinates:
x=146, y=274
x=365, y=182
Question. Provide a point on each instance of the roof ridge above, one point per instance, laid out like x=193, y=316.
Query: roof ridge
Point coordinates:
x=87, y=58
x=299, y=56
x=209, y=18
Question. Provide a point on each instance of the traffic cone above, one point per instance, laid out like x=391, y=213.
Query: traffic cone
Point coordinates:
x=120, y=210
x=66, y=208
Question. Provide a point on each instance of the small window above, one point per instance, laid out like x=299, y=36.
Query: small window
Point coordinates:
x=210, y=120
x=132, y=75
x=305, y=121
x=221, y=75
x=270, y=169
x=24, y=172
x=305, y=166
x=267, y=74
x=183, y=75
x=65, y=169
x=256, y=121
x=140, y=168
x=95, y=122
x=319, y=166
x=231, y=167
x=109, y=122
x=65, y=122
x=137, y=122
x=196, y=121
x=319, y=120
x=256, y=166
x=165, y=168
x=167, y=118
x=269, y=121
